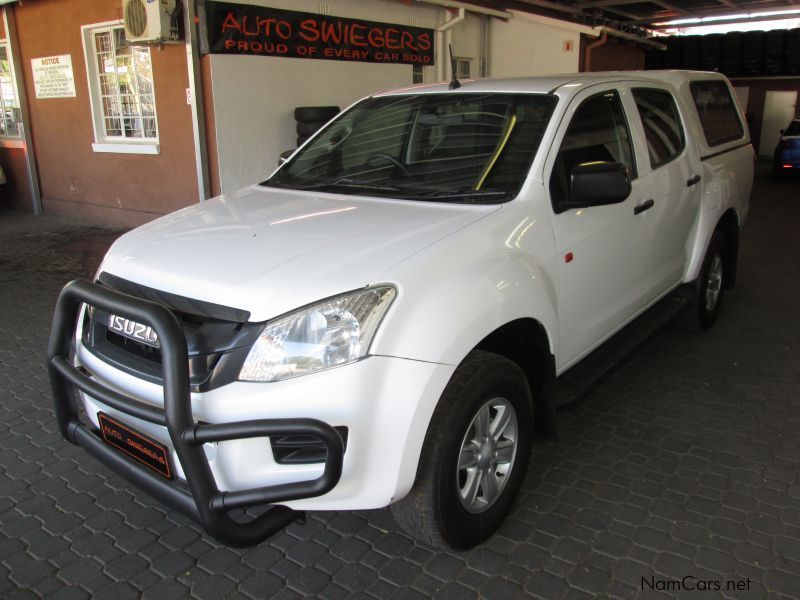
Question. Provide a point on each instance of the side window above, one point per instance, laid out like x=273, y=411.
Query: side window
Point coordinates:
x=662, y=124
x=598, y=133
x=717, y=110
x=10, y=116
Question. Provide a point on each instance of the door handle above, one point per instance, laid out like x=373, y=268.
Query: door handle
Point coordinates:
x=693, y=180
x=646, y=205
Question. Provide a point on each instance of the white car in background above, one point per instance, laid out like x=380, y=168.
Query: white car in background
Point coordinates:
x=392, y=316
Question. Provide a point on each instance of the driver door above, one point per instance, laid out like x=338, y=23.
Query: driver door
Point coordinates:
x=603, y=274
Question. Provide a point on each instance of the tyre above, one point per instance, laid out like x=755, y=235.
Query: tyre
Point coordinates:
x=302, y=139
x=474, y=456
x=306, y=114
x=307, y=128
x=711, y=283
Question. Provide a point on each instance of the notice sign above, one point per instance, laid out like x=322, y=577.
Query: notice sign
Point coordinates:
x=52, y=76
x=263, y=31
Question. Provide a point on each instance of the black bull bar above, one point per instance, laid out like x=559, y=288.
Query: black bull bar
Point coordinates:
x=206, y=504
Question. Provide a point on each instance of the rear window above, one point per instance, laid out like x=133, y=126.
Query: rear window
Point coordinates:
x=662, y=124
x=717, y=110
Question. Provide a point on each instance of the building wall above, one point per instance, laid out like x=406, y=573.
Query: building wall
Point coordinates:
x=255, y=96
x=614, y=55
x=123, y=189
x=16, y=195
x=754, y=110
x=525, y=46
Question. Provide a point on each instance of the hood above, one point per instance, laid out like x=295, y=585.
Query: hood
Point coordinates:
x=269, y=251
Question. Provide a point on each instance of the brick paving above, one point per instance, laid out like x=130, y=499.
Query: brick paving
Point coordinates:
x=684, y=462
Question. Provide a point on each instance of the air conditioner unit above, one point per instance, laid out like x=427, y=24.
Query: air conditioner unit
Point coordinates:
x=152, y=20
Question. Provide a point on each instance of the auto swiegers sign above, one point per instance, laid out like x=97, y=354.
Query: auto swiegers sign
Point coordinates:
x=264, y=31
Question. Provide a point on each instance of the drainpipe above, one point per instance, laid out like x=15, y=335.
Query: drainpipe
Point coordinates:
x=9, y=22
x=443, y=39
x=587, y=55
x=198, y=109
x=444, y=36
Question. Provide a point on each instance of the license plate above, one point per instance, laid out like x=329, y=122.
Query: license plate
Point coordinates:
x=150, y=453
x=133, y=330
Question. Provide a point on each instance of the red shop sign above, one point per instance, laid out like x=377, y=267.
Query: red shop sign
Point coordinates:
x=264, y=31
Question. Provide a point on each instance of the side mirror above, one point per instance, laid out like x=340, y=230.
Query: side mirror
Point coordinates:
x=597, y=184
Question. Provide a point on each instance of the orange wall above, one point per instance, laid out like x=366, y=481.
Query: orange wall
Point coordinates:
x=124, y=189
x=614, y=55
x=16, y=195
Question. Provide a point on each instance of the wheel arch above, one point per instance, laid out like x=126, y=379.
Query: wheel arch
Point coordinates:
x=728, y=225
x=526, y=343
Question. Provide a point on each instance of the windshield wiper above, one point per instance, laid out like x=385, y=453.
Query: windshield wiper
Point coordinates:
x=346, y=182
x=470, y=195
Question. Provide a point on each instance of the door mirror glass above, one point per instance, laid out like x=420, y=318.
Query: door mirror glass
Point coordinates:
x=597, y=184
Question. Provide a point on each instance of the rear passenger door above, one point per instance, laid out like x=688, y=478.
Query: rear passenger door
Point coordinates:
x=671, y=173
x=603, y=273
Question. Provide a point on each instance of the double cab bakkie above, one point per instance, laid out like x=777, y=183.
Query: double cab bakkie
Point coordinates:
x=399, y=309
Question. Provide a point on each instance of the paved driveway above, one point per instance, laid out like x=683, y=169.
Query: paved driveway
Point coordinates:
x=683, y=466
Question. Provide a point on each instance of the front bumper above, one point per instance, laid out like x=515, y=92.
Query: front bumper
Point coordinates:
x=204, y=502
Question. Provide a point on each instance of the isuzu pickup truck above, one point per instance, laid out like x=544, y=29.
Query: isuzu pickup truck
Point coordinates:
x=395, y=314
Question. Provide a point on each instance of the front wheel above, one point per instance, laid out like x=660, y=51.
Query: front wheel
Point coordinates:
x=711, y=283
x=474, y=457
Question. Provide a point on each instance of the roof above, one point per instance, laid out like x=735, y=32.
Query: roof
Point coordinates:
x=550, y=83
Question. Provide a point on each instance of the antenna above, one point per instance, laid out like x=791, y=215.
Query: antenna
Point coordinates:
x=454, y=82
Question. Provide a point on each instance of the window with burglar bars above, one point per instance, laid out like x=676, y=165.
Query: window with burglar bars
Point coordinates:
x=124, y=83
x=10, y=117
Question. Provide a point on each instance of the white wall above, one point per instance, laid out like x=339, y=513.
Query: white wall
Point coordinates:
x=525, y=46
x=255, y=96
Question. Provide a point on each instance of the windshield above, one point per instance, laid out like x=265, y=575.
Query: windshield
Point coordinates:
x=438, y=147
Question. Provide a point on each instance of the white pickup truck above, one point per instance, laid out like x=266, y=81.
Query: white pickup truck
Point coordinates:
x=396, y=312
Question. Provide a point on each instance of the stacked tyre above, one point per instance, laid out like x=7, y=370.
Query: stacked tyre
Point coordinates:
x=791, y=52
x=711, y=52
x=753, y=53
x=731, y=63
x=673, y=57
x=774, y=48
x=310, y=119
x=691, y=52
x=654, y=59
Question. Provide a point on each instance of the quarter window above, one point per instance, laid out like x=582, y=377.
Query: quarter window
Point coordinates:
x=598, y=133
x=717, y=110
x=121, y=83
x=662, y=124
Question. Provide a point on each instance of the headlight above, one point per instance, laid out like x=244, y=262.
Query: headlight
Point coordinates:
x=330, y=333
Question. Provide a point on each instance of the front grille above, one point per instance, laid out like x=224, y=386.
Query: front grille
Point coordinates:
x=302, y=449
x=137, y=348
x=217, y=340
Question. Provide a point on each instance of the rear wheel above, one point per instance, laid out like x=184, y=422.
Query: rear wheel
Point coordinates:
x=711, y=283
x=474, y=457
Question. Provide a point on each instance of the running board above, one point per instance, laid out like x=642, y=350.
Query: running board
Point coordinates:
x=575, y=383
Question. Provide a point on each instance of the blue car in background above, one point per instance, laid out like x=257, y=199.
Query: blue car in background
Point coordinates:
x=787, y=154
